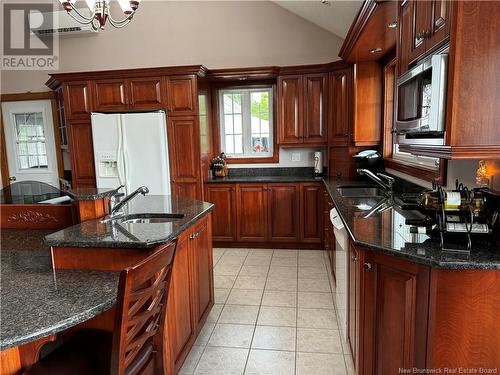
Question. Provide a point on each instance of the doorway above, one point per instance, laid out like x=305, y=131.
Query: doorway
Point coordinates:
x=30, y=142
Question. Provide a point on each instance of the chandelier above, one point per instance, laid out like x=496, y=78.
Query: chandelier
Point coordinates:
x=100, y=12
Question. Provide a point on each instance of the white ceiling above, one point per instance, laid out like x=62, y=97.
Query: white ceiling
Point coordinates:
x=336, y=16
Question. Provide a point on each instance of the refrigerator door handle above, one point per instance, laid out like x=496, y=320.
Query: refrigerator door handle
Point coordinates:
x=119, y=157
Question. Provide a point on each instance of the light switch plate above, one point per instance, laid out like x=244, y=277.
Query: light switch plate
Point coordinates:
x=295, y=156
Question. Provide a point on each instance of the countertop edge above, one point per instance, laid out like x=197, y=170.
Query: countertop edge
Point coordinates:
x=61, y=326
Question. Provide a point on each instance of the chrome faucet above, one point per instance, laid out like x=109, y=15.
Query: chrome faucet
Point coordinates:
x=114, y=206
x=378, y=178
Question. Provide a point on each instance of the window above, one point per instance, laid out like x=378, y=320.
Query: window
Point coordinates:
x=246, y=122
x=30, y=140
x=420, y=161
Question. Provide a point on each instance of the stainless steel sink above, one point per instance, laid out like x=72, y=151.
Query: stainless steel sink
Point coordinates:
x=360, y=192
x=149, y=218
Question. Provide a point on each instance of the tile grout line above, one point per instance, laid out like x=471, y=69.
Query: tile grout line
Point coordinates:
x=258, y=314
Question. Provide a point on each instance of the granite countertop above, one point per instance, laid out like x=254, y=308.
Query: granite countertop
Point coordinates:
x=287, y=174
x=37, y=301
x=386, y=232
x=90, y=194
x=94, y=233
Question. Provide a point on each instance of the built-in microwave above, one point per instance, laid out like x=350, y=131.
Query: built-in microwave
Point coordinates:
x=421, y=101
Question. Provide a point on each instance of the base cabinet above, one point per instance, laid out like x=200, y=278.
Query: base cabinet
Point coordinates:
x=284, y=214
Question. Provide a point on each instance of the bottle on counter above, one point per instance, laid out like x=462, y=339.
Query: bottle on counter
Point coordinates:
x=453, y=201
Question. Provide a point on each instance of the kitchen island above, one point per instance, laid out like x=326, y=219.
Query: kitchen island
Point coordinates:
x=79, y=277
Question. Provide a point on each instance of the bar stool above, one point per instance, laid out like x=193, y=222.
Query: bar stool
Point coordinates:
x=136, y=344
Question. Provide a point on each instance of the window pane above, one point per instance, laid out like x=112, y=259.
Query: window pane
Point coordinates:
x=255, y=125
x=260, y=144
x=236, y=103
x=238, y=144
x=228, y=103
x=32, y=152
x=228, y=124
x=238, y=124
x=229, y=144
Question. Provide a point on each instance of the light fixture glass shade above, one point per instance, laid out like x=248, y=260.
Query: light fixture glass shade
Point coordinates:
x=125, y=5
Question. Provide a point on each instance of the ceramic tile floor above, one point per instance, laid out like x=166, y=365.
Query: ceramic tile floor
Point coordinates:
x=274, y=314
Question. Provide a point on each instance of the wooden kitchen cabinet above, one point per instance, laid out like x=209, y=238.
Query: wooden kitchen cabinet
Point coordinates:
x=185, y=162
x=111, y=94
x=181, y=94
x=302, y=114
x=315, y=108
x=284, y=212
x=191, y=295
x=424, y=25
x=252, y=213
x=146, y=93
x=80, y=143
x=77, y=99
x=395, y=305
x=354, y=304
x=290, y=110
x=311, y=198
x=340, y=107
x=329, y=238
x=181, y=320
x=223, y=196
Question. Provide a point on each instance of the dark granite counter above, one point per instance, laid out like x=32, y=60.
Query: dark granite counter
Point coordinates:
x=35, y=300
x=386, y=232
x=290, y=174
x=90, y=194
x=94, y=233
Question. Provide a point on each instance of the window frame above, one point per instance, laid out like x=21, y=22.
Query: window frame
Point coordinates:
x=422, y=170
x=216, y=117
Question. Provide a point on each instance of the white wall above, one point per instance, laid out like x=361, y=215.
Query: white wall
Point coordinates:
x=217, y=34
x=306, y=159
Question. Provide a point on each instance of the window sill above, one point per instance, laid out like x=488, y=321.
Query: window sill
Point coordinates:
x=422, y=173
x=271, y=159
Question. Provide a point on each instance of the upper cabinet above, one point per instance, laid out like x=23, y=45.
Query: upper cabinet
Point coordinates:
x=302, y=111
x=424, y=25
x=121, y=94
x=181, y=94
x=77, y=99
x=471, y=130
x=340, y=107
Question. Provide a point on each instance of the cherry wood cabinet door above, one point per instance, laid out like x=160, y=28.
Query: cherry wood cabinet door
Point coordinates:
x=354, y=303
x=252, y=213
x=77, y=98
x=146, y=93
x=419, y=11
x=340, y=97
x=201, y=246
x=311, y=203
x=440, y=19
x=315, y=109
x=82, y=153
x=404, y=37
x=110, y=94
x=284, y=212
x=395, y=314
x=290, y=110
x=223, y=196
x=181, y=331
x=184, y=152
x=181, y=94
x=340, y=163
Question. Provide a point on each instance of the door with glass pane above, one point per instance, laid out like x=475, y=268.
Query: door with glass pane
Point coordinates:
x=29, y=138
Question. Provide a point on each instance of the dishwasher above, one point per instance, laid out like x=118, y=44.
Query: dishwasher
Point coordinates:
x=340, y=254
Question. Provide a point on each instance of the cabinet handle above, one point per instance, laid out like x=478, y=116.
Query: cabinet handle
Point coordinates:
x=367, y=266
x=354, y=259
x=194, y=235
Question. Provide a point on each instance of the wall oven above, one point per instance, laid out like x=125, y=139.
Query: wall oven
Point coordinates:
x=421, y=101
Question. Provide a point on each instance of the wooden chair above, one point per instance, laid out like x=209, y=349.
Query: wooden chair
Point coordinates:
x=136, y=345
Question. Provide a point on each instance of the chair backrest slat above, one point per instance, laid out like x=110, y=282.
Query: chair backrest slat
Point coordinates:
x=140, y=314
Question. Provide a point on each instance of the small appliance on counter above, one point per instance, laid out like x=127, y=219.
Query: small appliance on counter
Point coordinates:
x=318, y=163
x=218, y=165
x=368, y=159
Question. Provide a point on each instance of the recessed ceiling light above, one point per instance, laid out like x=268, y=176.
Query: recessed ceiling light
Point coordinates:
x=325, y=2
x=392, y=25
x=376, y=50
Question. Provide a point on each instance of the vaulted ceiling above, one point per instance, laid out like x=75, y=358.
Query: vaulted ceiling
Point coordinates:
x=335, y=16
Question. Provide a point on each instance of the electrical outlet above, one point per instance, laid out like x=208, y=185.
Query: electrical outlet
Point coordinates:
x=295, y=156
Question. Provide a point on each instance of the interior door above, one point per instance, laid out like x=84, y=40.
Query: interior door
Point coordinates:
x=29, y=141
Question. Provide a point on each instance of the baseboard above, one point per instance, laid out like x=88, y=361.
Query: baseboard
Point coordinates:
x=270, y=245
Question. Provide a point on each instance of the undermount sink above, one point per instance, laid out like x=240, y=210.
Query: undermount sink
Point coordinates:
x=149, y=218
x=360, y=192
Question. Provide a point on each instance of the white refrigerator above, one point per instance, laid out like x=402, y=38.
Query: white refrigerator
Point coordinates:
x=131, y=149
